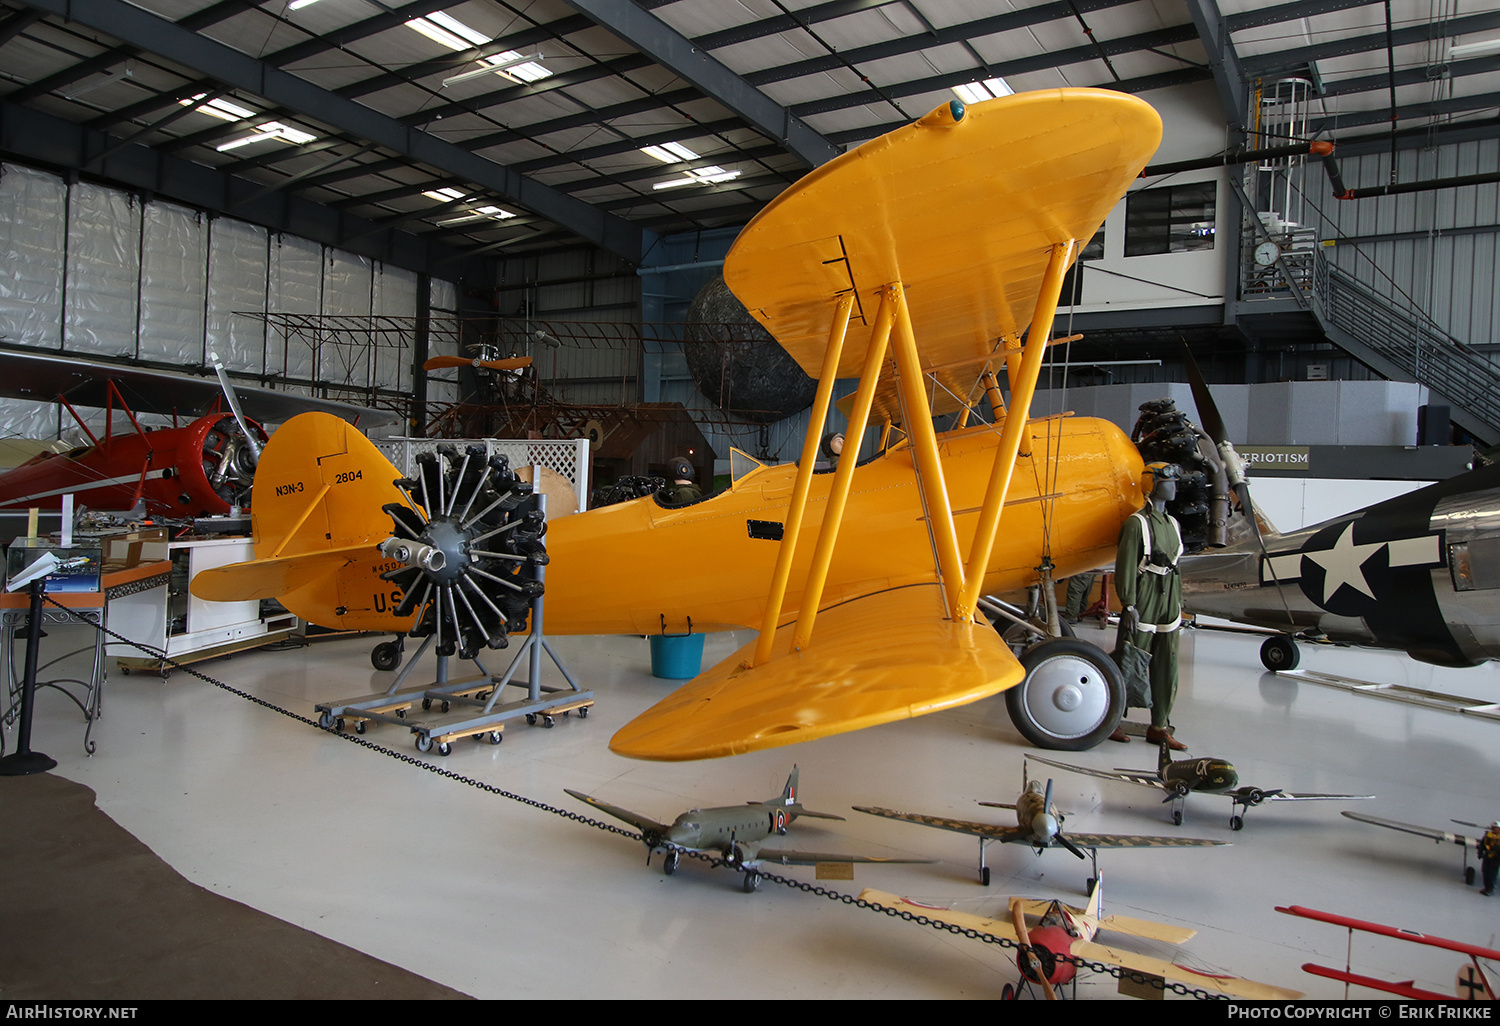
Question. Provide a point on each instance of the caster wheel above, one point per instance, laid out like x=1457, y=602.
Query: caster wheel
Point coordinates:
x=1236, y=822
x=583, y=713
x=424, y=743
x=548, y=721
x=338, y=724
x=401, y=714
x=359, y=726
x=495, y=737
x=125, y=671
x=445, y=748
x=326, y=721
x=426, y=704
x=445, y=705
x=984, y=876
x=531, y=719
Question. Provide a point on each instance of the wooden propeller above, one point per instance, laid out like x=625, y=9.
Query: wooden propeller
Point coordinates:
x=1018, y=919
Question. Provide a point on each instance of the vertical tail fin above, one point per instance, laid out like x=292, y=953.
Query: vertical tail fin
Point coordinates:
x=789, y=792
x=1163, y=760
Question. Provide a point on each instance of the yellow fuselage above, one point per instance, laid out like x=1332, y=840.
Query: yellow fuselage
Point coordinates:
x=627, y=569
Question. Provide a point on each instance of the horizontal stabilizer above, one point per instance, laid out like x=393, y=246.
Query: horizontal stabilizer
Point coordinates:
x=876, y=659
x=273, y=578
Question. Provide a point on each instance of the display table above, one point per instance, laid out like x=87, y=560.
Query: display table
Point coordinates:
x=117, y=592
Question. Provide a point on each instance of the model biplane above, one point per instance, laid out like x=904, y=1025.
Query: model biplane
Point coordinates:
x=1038, y=826
x=1182, y=777
x=736, y=833
x=1064, y=935
x=1470, y=984
x=927, y=263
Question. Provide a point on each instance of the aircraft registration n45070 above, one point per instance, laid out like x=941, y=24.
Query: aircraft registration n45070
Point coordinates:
x=939, y=248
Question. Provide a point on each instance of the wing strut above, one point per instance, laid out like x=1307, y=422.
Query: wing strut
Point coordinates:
x=923, y=439
x=843, y=478
x=821, y=401
x=1016, y=420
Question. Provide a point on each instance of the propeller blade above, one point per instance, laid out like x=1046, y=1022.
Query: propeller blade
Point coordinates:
x=444, y=362
x=1018, y=920
x=1063, y=840
x=1213, y=423
x=234, y=405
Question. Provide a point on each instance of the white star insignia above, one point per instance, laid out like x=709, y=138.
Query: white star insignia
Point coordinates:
x=1342, y=564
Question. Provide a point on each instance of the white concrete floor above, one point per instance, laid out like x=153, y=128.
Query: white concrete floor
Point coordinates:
x=499, y=899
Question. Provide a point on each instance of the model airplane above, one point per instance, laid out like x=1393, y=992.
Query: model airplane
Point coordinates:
x=1471, y=983
x=851, y=269
x=1039, y=826
x=1203, y=776
x=1064, y=936
x=735, y=833
x=1440, y=836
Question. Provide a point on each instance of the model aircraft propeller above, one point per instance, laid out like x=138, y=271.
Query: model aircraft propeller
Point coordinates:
x=1039, y=969
x=1213, y=423
x=509, y=363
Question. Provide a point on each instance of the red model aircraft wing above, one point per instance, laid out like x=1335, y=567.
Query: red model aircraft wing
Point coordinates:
x=1397, y=932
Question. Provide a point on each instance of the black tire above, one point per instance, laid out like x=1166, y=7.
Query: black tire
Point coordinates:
x=1071, y=698
x=385, y=656
x=1469, y=875
x=1280, y=652
x=424, y=743
x=984, y=876
x=752, y=881
x=669, y=864
x=1177, y=817
x=325, y=720
x=1008, y=992
x=445, y=748
x=1236, y=822
x=359, y=726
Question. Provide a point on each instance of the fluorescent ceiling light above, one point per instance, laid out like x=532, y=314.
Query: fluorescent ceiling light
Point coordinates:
x=1470, y=49
x=219, y=108
x=989, y=89
x=509, y=65
x=670, y=153
x=269, y=130
x=297, y=5
x=448, y=193
x=700, y=176
x=448, y=31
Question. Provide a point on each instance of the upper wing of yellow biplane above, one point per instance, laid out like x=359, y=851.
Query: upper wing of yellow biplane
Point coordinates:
x=963, y=212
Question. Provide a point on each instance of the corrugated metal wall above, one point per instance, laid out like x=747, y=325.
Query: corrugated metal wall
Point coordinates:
x=1440, y=248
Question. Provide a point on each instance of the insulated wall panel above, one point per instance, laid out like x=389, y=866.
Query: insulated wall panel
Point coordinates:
x=345, y=359
x=295, y=287
x=237, y=273
x=33, y=230
x=173, y=268
x=103, y=276
x=395, y=295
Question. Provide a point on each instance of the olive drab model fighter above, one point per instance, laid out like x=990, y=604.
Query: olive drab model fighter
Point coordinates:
x=1038, y=826
x=733, y=832
x=928, y=264
x=1063, y=936
x=1182, y=777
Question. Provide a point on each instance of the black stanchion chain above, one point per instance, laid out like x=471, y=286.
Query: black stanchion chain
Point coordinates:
x=711, y=860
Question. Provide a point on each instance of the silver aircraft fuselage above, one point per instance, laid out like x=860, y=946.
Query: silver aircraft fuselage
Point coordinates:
x=1420, y=573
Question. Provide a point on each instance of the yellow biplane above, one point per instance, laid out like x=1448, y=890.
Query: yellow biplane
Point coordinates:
x=925, y=263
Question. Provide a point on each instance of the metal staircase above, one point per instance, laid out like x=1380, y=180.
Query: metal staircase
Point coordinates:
x=1400, y=342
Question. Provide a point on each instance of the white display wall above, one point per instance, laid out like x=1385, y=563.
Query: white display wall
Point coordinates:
x=95, y=271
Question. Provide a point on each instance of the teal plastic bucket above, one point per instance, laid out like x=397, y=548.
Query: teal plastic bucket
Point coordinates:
x=676, y=656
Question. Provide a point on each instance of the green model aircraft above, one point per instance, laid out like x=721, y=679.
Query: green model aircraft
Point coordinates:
x=1038, y=826
x=733, y=832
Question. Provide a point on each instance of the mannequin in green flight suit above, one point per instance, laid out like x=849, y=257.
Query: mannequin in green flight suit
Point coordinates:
x=1150, y=590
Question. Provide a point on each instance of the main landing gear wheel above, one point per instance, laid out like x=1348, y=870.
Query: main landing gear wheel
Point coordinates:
x=752, y=881
x=1469, y=876
x=669, y=864
x=1280, y=652
x=1236, y=822
x=984, y=876
x=1071, y=698
x=1177, y=817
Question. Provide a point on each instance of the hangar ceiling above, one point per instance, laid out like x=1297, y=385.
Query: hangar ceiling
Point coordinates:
x=448, y=131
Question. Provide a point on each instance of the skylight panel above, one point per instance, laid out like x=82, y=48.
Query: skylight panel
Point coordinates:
x=989, y=89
